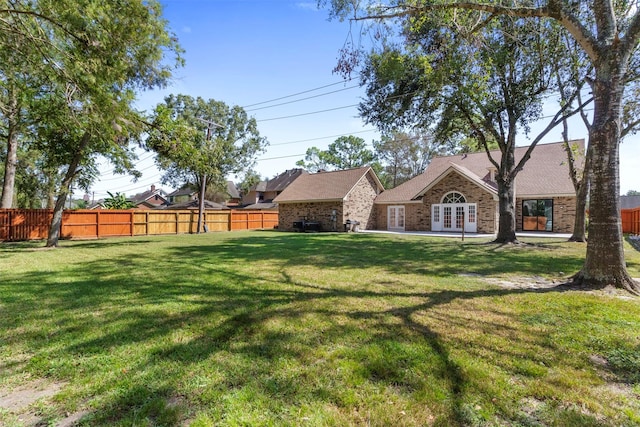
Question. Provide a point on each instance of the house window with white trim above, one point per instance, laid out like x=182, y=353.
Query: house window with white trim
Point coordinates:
x=454, y=197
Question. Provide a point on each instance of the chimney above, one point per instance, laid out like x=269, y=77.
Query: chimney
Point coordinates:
x=492, y=173
x=153, y=188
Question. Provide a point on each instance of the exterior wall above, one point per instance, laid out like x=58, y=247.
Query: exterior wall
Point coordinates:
x=418, y=215
x=564, y=213
x=358, y=205
x=312, y=211
x=487, y=206
x=415, y=217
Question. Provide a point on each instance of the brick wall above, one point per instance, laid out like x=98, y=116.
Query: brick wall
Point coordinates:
x=358, y=206
x=487, y=206
x=316, y=211
x=418, y=215
x=564, y=212
x=359, y=203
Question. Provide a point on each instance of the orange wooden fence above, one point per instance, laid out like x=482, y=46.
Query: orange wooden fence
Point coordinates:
x=33, y=224
x=631, y=220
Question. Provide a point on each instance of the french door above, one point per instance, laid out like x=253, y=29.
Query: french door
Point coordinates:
x=395, y=218
x=454, y=217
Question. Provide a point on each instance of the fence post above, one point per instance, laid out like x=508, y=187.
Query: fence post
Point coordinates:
x=97, y=223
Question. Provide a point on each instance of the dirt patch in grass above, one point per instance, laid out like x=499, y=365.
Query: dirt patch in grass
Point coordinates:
x=17, y=405
x=541, y=283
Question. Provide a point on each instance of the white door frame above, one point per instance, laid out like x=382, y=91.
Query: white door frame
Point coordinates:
x=396, y=218
x=444, y=217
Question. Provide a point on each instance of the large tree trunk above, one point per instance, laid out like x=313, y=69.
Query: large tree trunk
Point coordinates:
x=506, y=196
x=56, y=221
x=11, y=162
x=507, y=212
x=604, y=264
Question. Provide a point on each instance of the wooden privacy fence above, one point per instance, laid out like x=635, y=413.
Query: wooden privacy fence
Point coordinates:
x=33, y=224
x=631, y=220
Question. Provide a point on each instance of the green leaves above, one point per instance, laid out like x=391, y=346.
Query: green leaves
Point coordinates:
x=345, y=153
x=194, y=137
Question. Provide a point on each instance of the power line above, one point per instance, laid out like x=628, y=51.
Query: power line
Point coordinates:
x=280, y=157
x=322, y=137
x=302, y=99
x=296, y=94
x=308, y=114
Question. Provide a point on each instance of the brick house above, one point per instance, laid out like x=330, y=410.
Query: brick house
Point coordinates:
x=149, y=199
x=460, y=191
x=330, y=199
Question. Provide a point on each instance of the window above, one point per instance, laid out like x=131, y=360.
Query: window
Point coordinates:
x=454, y=197
x=436, y=214
x=537, y=215
x=472, y=213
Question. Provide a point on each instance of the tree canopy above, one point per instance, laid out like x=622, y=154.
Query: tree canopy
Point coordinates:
x=608, y=33
x=345, y=152
x=200, y=141
x=76, y=69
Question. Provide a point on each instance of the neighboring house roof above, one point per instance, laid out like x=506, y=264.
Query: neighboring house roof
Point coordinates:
x=261, y=206
x=194, y=204
x=325, y=186
x=546, y=173
x=141, y=198
x=280, y=182
x=232, y=190
x=629, y=202
x=186, y=191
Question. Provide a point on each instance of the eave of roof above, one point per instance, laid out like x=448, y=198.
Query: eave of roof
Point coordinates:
x=465, y=173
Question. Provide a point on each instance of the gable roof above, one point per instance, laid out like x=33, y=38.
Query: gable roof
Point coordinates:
x=546, y=173
x=146, y=195
x=232, y=190
x=281, y=181
x=325, y=186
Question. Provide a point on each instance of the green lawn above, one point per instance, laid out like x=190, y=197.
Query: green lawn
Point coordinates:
x=268, y=328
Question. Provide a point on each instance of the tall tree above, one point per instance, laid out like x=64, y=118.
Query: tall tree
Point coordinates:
x=345, y=152
x=200, y=141
x=99, y=54
x=608, y=32
x=406, y=155
x=488, y=85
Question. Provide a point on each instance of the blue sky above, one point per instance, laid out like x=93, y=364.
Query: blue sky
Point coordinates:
x=245, y=52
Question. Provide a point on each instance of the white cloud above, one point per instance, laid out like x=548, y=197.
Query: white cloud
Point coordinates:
x=307, y=6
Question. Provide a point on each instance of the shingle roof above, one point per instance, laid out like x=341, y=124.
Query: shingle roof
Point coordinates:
x=324, y=186
x=232, y=190
x=546, y=173
x=194, y=204
x=280, y=182
x=186, y=191
x=629, y=202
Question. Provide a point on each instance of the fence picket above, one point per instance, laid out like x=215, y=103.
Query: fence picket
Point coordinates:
x=33, y=224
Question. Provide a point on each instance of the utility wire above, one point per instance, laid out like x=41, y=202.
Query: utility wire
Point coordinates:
x=308, y=114
x=301, y=99
x=296, y=94
x=322, y=137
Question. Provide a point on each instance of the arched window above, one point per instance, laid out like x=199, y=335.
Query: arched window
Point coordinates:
x=454, y=197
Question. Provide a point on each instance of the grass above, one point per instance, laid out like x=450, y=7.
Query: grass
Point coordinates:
x=268, y=328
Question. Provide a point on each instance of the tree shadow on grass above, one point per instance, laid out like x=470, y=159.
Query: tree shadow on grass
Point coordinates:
x=236, y=327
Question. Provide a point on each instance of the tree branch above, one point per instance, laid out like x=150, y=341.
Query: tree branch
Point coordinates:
x=554, y=10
